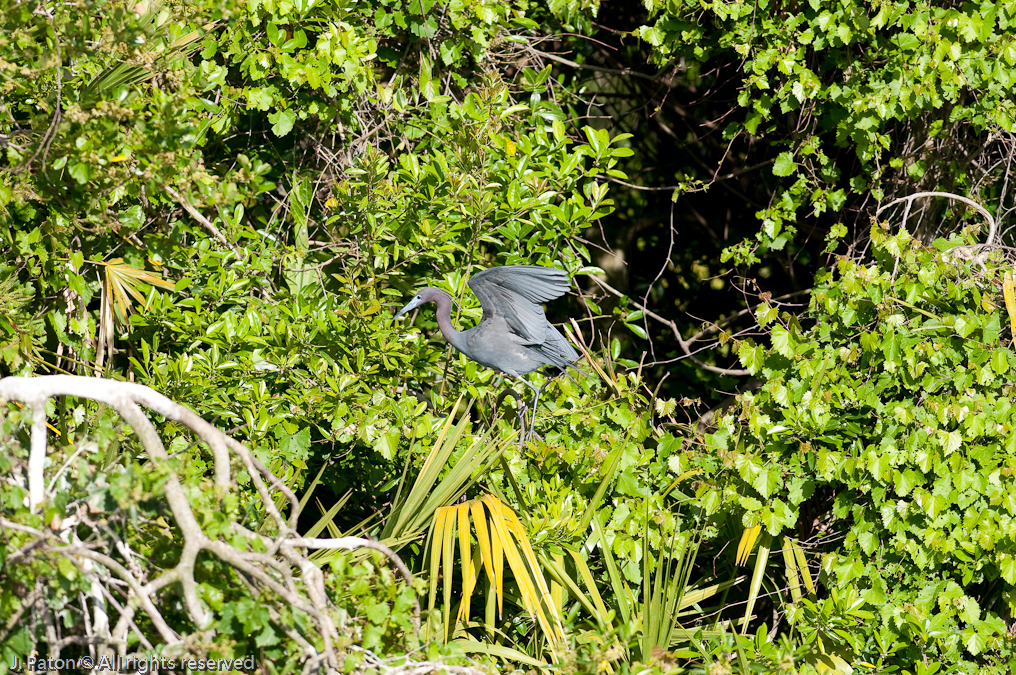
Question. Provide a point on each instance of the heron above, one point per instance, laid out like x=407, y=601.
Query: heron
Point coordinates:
x=513, y=336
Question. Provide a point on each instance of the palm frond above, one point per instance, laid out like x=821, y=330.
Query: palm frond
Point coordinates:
x=500, y=537
x=120, y=285
x=120, y=75
x=414, y=511
x=764, y=547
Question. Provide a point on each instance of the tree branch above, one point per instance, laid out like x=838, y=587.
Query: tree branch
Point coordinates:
x=196, y=215
x=308, y=594
x=734, y=372
x=948, y=195
x=599, y=69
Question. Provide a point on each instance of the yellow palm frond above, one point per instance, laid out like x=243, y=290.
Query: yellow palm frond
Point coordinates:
x=50, y=426
x=120, y=285
x=764, y=546
x=500, y=536
x=747, y=543
x=121, y=281
x=1010, y=301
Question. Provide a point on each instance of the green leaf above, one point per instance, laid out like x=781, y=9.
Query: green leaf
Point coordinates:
x=1009, y=53
x=282, y=121
x=999, y=361
x=766, y=314
x=294, y=447
x=751, y=355
x=598, y=139
x=134, y=217
x=80, y=172
x=973, y=641
x=783, y=342
x=766, y=482
x=784, y=165
x=868, y=541
x=377, y=612
x=259, y=98
x=267, y=636
x=637, y=329
x=949, y=440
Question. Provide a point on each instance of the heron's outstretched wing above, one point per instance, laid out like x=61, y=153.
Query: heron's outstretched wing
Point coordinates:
x=515, y=293
x=535, y=284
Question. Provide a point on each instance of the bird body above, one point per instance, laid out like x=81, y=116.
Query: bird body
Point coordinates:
x=513, y=335
x=495, y=346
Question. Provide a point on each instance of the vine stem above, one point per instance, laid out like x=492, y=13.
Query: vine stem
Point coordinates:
x=909, y=199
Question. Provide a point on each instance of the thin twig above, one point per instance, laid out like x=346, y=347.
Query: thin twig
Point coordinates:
x=599, y=69
x=47, y=139
x=734, y=372
x=196, y=215
x=15, y=619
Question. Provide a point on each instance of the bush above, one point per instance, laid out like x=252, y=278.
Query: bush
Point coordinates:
x=881, y=434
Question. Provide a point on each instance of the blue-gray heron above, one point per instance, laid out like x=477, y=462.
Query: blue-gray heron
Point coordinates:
x=513, y=335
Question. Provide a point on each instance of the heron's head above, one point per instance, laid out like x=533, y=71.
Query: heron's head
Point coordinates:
x=428, y=294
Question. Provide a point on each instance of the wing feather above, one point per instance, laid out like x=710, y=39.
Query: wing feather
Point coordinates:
x=535, y=284
x=557, y=350
x=514, y=292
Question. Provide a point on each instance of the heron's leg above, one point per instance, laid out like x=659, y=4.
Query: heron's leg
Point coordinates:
x=523, y=409
x=532, y=406
x=527, y=407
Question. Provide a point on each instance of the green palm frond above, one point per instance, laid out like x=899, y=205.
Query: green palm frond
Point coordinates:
x=829, y=656
x=667, y=593
x=414, y=510
x=797, y=569
x=20, y=329
x=125, y=74
x=765, y=545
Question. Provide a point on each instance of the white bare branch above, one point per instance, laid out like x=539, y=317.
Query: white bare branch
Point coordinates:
x=281, y=577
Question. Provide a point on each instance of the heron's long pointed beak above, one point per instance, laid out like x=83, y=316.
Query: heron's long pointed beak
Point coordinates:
x=410, y=306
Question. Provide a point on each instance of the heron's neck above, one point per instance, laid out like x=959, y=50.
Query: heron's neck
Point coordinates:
x=444, y=321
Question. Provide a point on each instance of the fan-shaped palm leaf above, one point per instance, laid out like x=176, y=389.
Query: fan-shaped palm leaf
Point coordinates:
x=119, y=285
x=500, y=536
x=165, y=51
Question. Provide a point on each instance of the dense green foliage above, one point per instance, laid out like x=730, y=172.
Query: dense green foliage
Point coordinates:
x=890, y=414
x=225, y=202
x=884, y=80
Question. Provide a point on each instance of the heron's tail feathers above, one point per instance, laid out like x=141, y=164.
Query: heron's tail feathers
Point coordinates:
x=557, y=350
x=566, y=374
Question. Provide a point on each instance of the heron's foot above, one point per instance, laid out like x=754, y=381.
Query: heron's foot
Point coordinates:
x=528, y=432
x=532, y=407
x=524, y=409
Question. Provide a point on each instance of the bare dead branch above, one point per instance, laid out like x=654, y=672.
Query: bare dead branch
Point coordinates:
x=196, y=215
x=909, y=199
x=303, y=590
